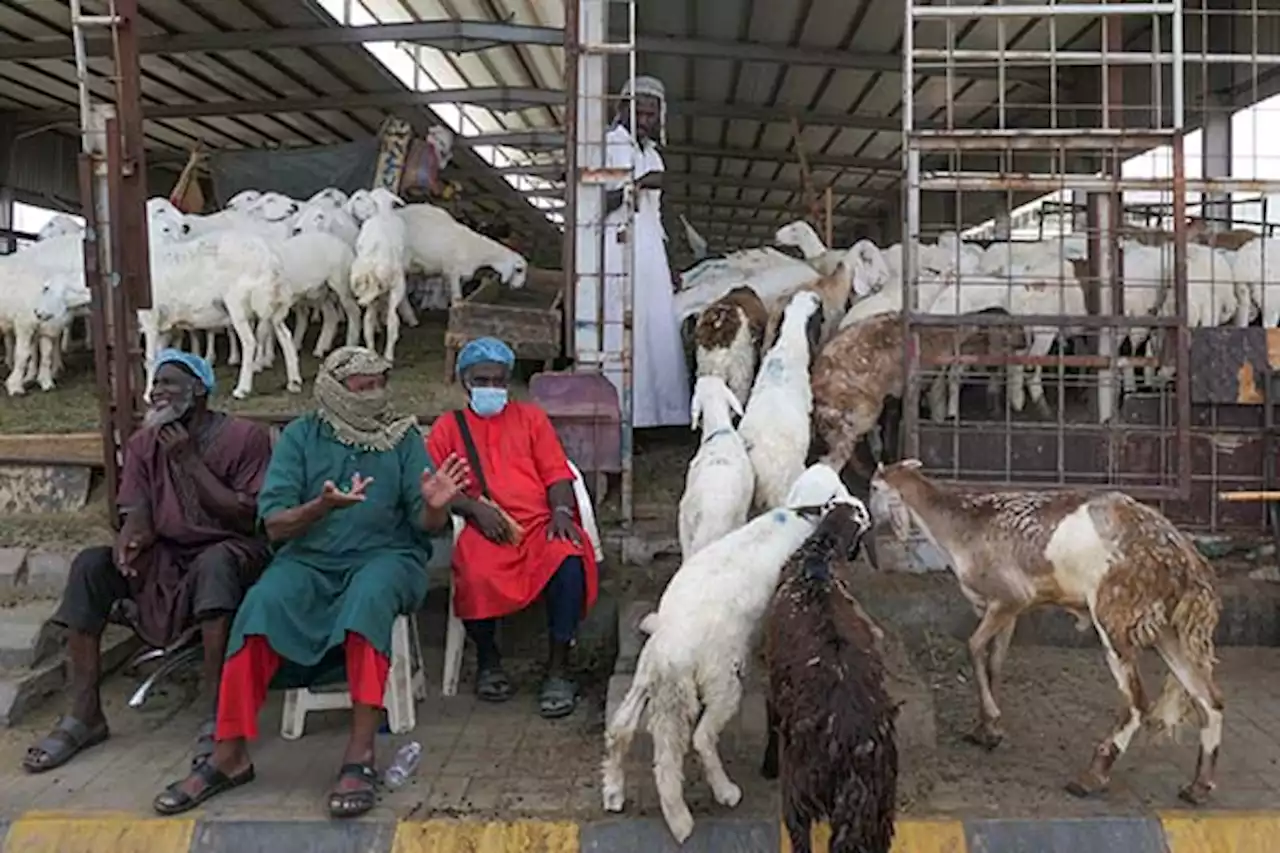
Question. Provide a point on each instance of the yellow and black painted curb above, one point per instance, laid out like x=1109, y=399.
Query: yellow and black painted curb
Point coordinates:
x=1173, y=832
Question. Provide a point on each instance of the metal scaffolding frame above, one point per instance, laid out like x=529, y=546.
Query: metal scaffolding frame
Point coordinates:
x=599, y=342
x=1059, y=143
x=113, y=195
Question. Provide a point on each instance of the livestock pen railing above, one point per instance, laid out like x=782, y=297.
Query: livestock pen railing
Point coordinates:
x=1149, y=309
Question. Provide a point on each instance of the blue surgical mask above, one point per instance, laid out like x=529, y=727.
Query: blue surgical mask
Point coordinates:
x=487, y=402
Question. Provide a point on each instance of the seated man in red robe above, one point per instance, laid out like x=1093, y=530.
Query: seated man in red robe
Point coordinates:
x=186, y=552
x=523, y=537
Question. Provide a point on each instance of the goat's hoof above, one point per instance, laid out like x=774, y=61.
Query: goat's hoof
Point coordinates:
x=294, y=387
x=769, y=770
x=1087, y=784
x=240, y=394
x=614, y=799
x=15, y=392
x=986, y=735
x=1196, y=794
x=730, y=795
x=681, y=827
x=46, y=386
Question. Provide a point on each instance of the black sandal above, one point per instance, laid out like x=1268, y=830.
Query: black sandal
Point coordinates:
x=353, y=802
x=173, y=800
x=557, y=698
x=68, y=739
x=205, y=742
x=492, y=685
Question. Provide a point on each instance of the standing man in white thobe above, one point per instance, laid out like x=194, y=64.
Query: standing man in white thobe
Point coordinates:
x=661, y=389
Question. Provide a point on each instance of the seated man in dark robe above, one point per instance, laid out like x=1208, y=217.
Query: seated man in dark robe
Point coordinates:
x=185, y=554
x=523, y=536
x=348, y=501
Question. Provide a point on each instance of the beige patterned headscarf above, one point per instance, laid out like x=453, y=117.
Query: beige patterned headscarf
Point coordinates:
x=359, y=418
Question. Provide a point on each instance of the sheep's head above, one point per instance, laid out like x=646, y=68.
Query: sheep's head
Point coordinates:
x=818, y=491
x=165, y=221
x=59, y=296
x=365, y=289
x=365, y=204
x=709, y=388
x=843, y=525
x=329, y=197
x=887, y=504
x=514, y=271
x=59, y=226
x=314, y=218
x=798, y=234
x=441, y=139
x=807, y=305
x=243, y=200
x=274, y=207
x=868, y=270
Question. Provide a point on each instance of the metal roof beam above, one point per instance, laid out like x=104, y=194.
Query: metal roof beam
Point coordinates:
x=766, y=155
x=498, y=98
x=468, y=36
x=690, y=179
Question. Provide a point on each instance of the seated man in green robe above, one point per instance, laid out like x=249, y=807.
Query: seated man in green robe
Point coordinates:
x=348, y=561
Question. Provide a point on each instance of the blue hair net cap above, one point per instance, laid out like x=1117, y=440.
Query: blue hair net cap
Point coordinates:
x=198, y=367
x=485, y=351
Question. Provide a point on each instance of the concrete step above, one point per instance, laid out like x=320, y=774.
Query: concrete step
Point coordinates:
x=27, y=574
x=24, y=688
x=24, y=637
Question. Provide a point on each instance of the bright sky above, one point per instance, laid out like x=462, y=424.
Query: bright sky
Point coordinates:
x=1250, y=158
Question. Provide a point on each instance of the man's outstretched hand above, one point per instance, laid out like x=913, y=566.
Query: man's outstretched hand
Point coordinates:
x=446, y=483
x=335, y=498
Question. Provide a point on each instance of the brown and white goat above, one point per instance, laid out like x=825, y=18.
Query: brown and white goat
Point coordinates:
x=1102, y=556
x=862, y=366
x=729, y=337
x=831, y=720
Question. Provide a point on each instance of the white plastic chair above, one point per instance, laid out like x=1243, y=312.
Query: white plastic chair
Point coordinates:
x=455, y=638
x=406, y=685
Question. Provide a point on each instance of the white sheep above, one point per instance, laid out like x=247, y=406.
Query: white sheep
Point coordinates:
x=316, y=269
x=53, y=261
x=720, y=481
x=185, y=279
x=689, y=674
x=776, y=424
x=377, y=274
x=767, y=271
x=802, y=236
x=438, y=244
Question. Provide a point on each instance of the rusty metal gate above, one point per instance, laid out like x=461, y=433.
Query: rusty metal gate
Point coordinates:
x=1052, y=119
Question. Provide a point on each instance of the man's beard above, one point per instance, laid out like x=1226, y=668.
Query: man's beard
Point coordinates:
x=169, y=412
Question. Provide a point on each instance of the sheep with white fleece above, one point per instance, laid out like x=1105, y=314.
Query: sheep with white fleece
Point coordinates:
x=767, y=271
x=52, y=262
x=440, y=245
x=776, y=426
x=690, y=671
x=316, y=268
x=720, y=480
x=801, y=235
x=377, y=274
x=250, y=285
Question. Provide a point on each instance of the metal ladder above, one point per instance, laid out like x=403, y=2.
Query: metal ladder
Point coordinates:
x=112, y=187
x=592, y=179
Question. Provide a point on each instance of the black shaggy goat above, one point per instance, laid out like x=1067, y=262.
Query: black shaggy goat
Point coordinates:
x=831, y=721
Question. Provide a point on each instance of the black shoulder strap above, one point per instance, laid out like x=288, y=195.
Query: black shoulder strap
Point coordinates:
x=473, y=457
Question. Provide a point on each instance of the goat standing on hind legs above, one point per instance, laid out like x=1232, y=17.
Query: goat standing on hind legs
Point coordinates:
x=1102, y=556
x=831, y=721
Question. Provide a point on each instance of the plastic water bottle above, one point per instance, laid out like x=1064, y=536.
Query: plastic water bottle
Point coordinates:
x=405, y=764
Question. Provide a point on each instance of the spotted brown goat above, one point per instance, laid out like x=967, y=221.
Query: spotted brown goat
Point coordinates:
x=729, y=337
x=831, y=720
x=1100, y=555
